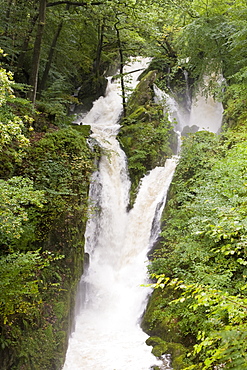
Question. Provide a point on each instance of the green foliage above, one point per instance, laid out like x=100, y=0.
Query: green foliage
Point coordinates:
x=208, y=38
x=49, y=193
x=37, y=351
x=60, y=164
x=48, y=211
x=11, y=125
x=205, y=40
x=59, y=159
x=17, y=197
x=20, y=287
x=15, y=123
x=235, y=114
x=222, y=335
x=54, y=105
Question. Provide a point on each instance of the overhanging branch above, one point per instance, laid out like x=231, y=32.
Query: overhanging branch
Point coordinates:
x=73, y=3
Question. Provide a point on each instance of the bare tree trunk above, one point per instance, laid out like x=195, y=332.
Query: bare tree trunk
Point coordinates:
x=49, y=60
x=120, y=50
x=25, y=43
x=99, y=48
x=37, y=51
x=7, y=16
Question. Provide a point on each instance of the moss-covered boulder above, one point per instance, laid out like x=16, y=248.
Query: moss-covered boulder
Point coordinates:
x=176, y=350
x=163, y=326
x=159, y=346
x=142, y=94
x=92, y=88
x=159, y=319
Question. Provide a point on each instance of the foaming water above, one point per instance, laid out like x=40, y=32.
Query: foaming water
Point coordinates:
x=107, y=334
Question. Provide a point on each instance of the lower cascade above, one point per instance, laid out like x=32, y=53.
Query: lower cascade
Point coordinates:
x=107, y=334
x=111, y=298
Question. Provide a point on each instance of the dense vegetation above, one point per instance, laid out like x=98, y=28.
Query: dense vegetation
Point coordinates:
x=201, y=262
x=55, y=57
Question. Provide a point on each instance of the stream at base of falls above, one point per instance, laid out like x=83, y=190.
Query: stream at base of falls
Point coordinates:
x=111, y=297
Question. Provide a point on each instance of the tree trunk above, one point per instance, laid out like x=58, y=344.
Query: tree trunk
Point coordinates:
x=37, y=51
x=99, y=49
x=120, y=50
x=49, y=60
x=25, y=44
x=7, y=16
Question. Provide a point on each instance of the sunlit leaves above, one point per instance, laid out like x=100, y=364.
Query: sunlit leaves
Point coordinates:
x=208, y=36
x=221, y=337
x=17, y=195
x=11, y=125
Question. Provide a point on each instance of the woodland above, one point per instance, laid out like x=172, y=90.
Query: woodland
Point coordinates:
x=55, y=56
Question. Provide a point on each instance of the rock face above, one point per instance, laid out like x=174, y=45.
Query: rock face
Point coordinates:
x=143, y=94
x=91, y=89
x=165, y=335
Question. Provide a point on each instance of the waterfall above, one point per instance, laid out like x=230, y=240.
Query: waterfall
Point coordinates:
x=205, y=113
x=107, y=334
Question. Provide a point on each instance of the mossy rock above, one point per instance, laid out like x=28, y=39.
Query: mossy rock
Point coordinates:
x=158, y=319
x=176, y=350
x=189, y=130
x=138, y=114
x=153, y=341
x=159, y=346
x=91, y=89
x=178, y=353
x=143, y=93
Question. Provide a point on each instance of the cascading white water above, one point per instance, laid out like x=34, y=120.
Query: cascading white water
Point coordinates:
x=107, y=335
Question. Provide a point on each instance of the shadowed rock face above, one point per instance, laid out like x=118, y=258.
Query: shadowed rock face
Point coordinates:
x=90, y=90
x=189, y=130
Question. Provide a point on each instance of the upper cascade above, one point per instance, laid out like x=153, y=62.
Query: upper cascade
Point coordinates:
x=201, y=113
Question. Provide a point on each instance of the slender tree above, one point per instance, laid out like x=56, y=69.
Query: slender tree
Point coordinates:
x=121, y=56
x=42, y=84
x=37, y=51
x=101, y=30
